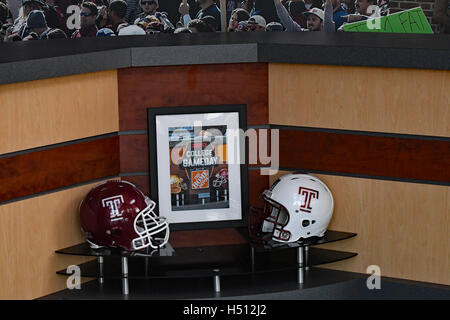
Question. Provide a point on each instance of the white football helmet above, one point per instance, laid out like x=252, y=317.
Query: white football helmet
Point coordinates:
x=297, y=206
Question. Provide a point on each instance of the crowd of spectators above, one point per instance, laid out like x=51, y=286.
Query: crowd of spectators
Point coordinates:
x=49, y=19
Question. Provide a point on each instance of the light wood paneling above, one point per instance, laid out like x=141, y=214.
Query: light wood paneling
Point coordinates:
x=402, y=227
x=30, y=232
x=43, y=112
x=408, y=101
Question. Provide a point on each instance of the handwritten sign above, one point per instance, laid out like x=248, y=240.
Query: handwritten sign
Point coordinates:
x=408, y=21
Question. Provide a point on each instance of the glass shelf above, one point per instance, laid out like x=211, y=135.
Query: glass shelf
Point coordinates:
x=234, y=261
x=84, y=249
x=214, y=261
x=330, y=236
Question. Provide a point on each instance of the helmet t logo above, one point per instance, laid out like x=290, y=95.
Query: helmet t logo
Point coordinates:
x=113, y=203
x=308, y=195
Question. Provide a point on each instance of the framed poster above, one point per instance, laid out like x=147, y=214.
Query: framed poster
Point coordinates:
x=198, y=171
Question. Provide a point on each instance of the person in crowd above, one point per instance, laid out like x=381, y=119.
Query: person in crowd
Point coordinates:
x=349, y=6
x=19, y=28
x=296, y=10
x=197, y=26
x=314, y=19
x=88, y=15
x=208, y=8
x=116, y=15
x=4, y=11
x=441, y=15
x=9, y=17
x=144, y=22
x=210, y=22
x=155, y=27
x=265, y=9
x=242, y=26
x=339, y=13
x=133, y=9
x=105, y=32
x=55, y=17
x=56, y=34
x=237, y=16
x=231, y=6
x=37, y=26
x=247, y=5
x=130, y=30
x=317, y=19
x=5, y=23
x=256, y=23
x=364, y=9
x=274, y=27
x=148, y=9
x=310, y=4
x=102, y=16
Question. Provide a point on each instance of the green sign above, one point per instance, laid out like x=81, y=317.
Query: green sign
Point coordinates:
x=408, y=21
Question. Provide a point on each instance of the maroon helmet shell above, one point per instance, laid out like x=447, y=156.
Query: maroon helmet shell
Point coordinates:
x=118, y=214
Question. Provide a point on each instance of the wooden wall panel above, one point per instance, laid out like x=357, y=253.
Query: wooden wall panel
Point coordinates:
x=30, y=232
x=134, y=155
x=142, y=88
x=402, y=227
x=140, y=181
x=405, y=158
x=50, y=111
x=410, y=101
x=213, y=237
x=44, y=170
x=257, y=183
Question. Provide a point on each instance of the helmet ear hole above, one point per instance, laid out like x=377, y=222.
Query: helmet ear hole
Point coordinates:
x=305, y=223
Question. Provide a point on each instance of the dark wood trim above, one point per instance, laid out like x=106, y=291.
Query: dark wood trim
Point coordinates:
x=134, y=153
x=357, y=132
x=208, y=237
x=257, y=184
x=140, y=181
x=175, y=86
x=404, y=158
x=44, y=170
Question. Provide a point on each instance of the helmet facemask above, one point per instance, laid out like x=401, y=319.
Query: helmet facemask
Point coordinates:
x=151, y=230
x=277, y=217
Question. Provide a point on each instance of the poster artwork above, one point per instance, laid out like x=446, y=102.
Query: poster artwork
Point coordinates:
x=198, y=168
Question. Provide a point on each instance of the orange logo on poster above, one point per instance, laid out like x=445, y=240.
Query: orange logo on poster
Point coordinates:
x=200, y=179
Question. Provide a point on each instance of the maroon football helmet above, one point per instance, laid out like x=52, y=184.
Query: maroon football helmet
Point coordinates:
x=117, y=214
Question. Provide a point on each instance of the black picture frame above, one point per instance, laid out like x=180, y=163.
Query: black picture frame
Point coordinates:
x=152, y=114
